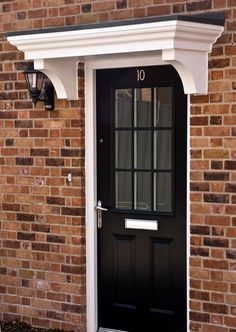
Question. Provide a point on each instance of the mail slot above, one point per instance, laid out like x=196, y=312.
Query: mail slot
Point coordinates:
x=151, y=225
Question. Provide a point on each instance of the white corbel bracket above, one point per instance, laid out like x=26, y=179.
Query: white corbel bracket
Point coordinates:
x=192, y=68
x=181, y=41
x=63, y=74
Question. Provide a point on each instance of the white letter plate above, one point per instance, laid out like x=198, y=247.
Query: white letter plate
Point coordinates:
x=141, y=224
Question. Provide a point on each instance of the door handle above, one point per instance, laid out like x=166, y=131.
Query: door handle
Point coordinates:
x=99, y=209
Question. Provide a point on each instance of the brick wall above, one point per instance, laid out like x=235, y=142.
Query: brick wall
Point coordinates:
x=42, y=234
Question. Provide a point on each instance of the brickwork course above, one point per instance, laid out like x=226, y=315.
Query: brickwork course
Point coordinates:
x=42, y=215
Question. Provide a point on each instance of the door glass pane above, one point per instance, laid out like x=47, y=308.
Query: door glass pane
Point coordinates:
x=143, y=149
x=163, y=106
x=143, y=153
x=143, y=107
x=142, y=190
x=163, y=187
x=123, y=149
x=123, y=111
x=162, y=149
x=123, y=190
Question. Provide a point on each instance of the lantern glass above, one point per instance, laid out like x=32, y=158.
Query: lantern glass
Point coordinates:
x=35, y=82
x=40, y=87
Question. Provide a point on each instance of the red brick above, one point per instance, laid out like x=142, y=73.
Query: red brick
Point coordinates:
x=217, y=131
x=215, y=120
x=199, y=252
x=216, y=198
x=216, y=275
x=199, y=295
x=231, y=299
x=230, y=97
x=199, y=186
x=231, y=232
x=219, y=63
x=199, y=165
x=216, y=97
x=199, y=5
x=216, y=153
x=199, y=273
x=141, y=3
x=216, y=176
x=199, y=121
x=37, y=13
x=215, y=264
x=230, y=50
x=199, y=317
x=230, y=120
x=69, y=10
x=196, y=154
x=230, y=321
x=215, y=286
x=215, y=242
x=219, y=86
x=215, y=308
x=199, y=229
x=53, y=22
x=103, y=6
x=230, y=209
x=86, y=8
x=216, y=109
x=213, y=328
x=216, y=142
x=158, y=10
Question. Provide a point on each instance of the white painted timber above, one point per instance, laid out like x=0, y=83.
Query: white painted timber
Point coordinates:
x=183, y=44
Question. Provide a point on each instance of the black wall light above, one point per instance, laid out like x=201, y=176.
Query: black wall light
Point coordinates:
x=40, y=87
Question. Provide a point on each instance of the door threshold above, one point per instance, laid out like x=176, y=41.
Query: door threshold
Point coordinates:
x=102, y=329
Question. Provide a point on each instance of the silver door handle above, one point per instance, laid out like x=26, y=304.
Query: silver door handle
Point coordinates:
x=99, y=208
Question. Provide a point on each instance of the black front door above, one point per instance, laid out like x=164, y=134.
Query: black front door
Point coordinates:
x=141, y=176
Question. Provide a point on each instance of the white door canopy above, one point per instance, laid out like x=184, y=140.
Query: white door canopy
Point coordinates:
x=182, y=41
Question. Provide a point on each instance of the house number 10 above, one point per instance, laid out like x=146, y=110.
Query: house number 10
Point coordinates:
x=140, y=75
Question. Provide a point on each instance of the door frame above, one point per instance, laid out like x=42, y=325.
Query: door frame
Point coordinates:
x=91, y=174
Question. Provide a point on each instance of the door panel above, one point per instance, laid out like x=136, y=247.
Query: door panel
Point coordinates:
x=161, y=274
x=141, y=174
x=124, y=270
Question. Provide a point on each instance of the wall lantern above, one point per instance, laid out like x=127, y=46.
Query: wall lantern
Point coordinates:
x=40, y=87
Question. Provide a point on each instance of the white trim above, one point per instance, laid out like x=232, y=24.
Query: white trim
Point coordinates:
x=185, y=45
x=91, y=198
x=188, y=211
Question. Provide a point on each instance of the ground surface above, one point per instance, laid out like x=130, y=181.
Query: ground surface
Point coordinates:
x=18, y=326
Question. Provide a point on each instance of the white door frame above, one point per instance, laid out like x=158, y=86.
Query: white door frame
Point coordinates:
x=91, y=177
